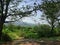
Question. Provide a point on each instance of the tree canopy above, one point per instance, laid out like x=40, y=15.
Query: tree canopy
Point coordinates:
x=51, y=10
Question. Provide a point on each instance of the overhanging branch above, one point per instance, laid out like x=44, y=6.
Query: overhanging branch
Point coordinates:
x=22, y=13
x=9, y=21
x=13, y=21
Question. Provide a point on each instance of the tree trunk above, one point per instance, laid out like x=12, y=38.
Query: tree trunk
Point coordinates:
x=52, y=28
x=2, y=20
x=1, y=27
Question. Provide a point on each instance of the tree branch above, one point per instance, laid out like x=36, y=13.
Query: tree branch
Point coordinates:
x=6, y=10
x=12, y=21
x=9, y=21
x=22, y=13
x=2, y=7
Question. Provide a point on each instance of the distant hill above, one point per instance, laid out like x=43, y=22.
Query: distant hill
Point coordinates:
x=20, y=23
x=24, y=24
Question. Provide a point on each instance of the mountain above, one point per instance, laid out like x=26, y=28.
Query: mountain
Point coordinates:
x=20, y=23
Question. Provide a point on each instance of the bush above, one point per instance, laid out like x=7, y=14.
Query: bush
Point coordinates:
x=11, y=35
x=57, y=31
x=42, y=30
x=30, y=35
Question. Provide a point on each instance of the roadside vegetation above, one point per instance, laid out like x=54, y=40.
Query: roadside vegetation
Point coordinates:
x=40, y=32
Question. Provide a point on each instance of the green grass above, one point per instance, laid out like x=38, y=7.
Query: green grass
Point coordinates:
x=41, y=32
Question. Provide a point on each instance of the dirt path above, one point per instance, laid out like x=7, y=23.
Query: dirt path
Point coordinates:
x=31, y=42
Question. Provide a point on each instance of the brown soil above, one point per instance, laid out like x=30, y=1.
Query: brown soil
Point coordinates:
x=31, y=42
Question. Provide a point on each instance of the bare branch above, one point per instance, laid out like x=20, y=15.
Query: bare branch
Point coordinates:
x=13, y=21
x=9, y=21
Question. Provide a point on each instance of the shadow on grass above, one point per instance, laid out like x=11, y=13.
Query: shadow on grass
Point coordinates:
x=5, y=38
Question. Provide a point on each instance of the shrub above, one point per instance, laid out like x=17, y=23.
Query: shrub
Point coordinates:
x=42, y=30
x=30, y=35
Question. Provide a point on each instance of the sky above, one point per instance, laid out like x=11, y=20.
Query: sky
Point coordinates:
x=32, y=19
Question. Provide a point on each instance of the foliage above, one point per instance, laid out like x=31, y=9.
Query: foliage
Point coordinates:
x=43, y=30
x=51, y=11
x=36, y=32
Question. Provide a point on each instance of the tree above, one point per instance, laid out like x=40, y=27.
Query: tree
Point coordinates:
x=50, y=9
x=9, y=8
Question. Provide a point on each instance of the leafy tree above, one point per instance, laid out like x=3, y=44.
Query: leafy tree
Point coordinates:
x=51, y=9
x=10, y=8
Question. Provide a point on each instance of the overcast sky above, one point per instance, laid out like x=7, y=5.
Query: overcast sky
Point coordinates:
x=36, y=18
x=32, y=19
